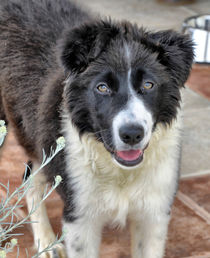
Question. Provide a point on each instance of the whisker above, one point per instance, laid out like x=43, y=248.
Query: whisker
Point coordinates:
x=101, y=131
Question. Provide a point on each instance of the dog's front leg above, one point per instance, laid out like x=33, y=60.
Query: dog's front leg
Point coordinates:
x=148, y=236
x=83, y=237
x=42, y=229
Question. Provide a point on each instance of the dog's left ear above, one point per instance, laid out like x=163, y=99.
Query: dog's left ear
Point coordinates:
x=175, y=52
x=85, y=43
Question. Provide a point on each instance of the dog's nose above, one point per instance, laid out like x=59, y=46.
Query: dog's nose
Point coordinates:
x=131, y=134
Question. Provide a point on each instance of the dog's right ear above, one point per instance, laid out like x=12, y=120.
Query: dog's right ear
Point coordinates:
x=83, y=44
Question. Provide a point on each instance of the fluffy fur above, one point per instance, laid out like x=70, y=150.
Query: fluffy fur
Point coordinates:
x=54, y=60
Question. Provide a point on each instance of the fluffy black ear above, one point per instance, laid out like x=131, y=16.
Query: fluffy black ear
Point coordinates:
x=84, y=43
x=175, y=52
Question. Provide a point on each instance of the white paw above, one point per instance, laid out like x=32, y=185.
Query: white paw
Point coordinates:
x=58, y=251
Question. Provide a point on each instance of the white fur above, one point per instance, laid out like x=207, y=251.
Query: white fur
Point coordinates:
x=127, y=54
x=134, y=113
x=107, y=193
x=83, y=237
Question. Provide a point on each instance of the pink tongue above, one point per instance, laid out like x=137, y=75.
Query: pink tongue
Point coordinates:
x=129, y=155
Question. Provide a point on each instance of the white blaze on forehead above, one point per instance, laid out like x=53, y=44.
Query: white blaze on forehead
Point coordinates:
x=134, y=113
x=128, y=54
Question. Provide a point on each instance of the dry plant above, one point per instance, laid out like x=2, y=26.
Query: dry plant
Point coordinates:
x=8, y=238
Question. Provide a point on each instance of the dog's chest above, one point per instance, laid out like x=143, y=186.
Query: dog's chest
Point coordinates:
x=103, y=189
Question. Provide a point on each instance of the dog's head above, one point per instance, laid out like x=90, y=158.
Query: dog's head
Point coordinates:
x=124, y=81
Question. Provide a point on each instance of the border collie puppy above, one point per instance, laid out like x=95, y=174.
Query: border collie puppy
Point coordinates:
x=113, y=90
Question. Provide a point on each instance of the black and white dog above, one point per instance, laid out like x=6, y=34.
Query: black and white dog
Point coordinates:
x=113, y=90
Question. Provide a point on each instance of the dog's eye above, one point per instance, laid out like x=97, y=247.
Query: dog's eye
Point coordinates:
x=148, y=85
x=103, y=88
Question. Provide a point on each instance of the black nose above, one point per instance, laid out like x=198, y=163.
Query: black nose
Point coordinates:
x=131, y=134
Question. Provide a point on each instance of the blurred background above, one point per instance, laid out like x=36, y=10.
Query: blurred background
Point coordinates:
x=189, y=230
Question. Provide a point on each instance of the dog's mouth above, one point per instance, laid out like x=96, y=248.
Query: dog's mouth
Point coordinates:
x=129, y=158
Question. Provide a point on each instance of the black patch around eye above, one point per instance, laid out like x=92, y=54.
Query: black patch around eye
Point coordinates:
x=111, y=80
x=139, y=80
x=136, y=80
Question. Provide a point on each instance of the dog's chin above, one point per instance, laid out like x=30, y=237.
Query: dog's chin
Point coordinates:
x=128, y=159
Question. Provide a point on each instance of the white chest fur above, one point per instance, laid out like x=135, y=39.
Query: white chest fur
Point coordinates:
x=104, y=189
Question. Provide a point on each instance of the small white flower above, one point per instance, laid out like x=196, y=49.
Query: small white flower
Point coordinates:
x=13, y=241
x=3, y=130
x=65, y=230
x=58, y=179
x=2, y=122
x=61, y=142
x=2, y=254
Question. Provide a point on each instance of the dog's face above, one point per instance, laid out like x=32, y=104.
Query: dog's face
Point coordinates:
x=124, y=81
